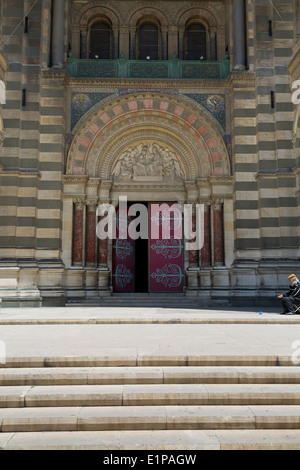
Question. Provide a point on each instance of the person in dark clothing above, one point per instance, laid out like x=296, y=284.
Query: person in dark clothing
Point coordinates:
x=291, y=297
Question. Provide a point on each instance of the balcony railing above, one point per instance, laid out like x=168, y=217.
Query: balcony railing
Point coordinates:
x=123, y=68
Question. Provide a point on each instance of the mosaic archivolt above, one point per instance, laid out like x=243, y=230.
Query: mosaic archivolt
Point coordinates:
x=171, y=113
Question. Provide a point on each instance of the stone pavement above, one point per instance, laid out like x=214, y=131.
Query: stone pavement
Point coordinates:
x=132, y=333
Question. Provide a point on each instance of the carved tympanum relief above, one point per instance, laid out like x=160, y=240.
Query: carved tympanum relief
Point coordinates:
x=148, y=162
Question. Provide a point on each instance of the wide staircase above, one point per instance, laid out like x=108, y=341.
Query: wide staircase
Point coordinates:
x=152, y=403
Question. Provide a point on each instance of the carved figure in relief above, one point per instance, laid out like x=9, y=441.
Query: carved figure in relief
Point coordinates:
x=148, y=161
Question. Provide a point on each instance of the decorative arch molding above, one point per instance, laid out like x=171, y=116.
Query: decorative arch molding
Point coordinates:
x=139, y=14
x=200, y=14
x=140, y=131
x=90, y=14
x=146, y=112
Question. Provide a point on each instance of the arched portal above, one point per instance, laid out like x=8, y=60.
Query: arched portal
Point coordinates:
x=152, y=149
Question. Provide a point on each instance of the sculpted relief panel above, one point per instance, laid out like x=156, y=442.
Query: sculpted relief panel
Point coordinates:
x=148, y=162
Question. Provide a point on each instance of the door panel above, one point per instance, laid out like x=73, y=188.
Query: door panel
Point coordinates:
x=166, y=250
x=123, y=256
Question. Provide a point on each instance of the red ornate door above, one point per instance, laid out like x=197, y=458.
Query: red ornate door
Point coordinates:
x=123, y=255
x=166, y=248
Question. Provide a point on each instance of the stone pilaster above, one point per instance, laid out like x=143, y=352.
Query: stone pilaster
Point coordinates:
x=91, y=232
x=132, y=48
x=218, y=233
x=206, y=248
x=213, y=44
x=78, y=231
x=58, y=28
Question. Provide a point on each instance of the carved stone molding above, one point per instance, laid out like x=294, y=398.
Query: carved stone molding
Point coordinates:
x=242, y=79
x=143, y=83
x=75, y=179
x=28, y=172
x=138, y=188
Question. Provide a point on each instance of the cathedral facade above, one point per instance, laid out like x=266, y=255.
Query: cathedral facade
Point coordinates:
x=165, y=105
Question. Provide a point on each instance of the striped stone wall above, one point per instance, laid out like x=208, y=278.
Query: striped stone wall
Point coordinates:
x=31, y=157
x=266, y=217
x=265, y=158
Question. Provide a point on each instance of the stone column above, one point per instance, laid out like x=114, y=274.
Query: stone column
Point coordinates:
x=77, y=248
x=91, y=233
x=206, y=249
x=58, y=33
x=218, y=233
x=102, y=249
x=83, y=43
x=132, y=51
x=193, y=269
x=115, y=43
x=104, y=274
x=193, y=254
x=172, y=41
x=213, y=44
x=239, y=28
x=124, y=41
x=76, y=41
x=164, y=43
x=181, y=44
x=91, y=273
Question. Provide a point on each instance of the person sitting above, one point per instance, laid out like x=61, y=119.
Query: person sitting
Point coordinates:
x=291, y=297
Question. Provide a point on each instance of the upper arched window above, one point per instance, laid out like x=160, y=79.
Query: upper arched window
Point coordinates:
x=148, y=41
x=100, y=41
x=195, y=42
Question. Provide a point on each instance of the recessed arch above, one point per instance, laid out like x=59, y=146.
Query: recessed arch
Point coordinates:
x=200, y=14
x=100, y=39
x=175, y=117
x=153, y=13
x=88, y=15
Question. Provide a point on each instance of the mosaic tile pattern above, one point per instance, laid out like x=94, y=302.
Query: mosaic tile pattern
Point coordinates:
x=82, y=103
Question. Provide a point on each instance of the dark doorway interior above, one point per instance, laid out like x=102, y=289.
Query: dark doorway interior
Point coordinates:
x=141, y=265
x=141, y=262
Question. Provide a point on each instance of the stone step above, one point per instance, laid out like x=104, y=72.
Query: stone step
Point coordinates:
x=149, y=395
x=122, y=418
x=165, y=319
x=149, y=375
x=148, y=360
x=153, y=300
x=153, y=440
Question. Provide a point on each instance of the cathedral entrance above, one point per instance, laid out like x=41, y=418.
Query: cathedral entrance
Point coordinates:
x=150, y=148
x=153, y=263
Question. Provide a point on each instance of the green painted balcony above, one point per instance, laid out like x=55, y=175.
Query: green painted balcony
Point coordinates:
x=161, y=69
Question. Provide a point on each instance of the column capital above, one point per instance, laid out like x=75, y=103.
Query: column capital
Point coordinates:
x=173, y=29
x=217, y=204
x=205, y=202
x=79, y=202
x=92, y=203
